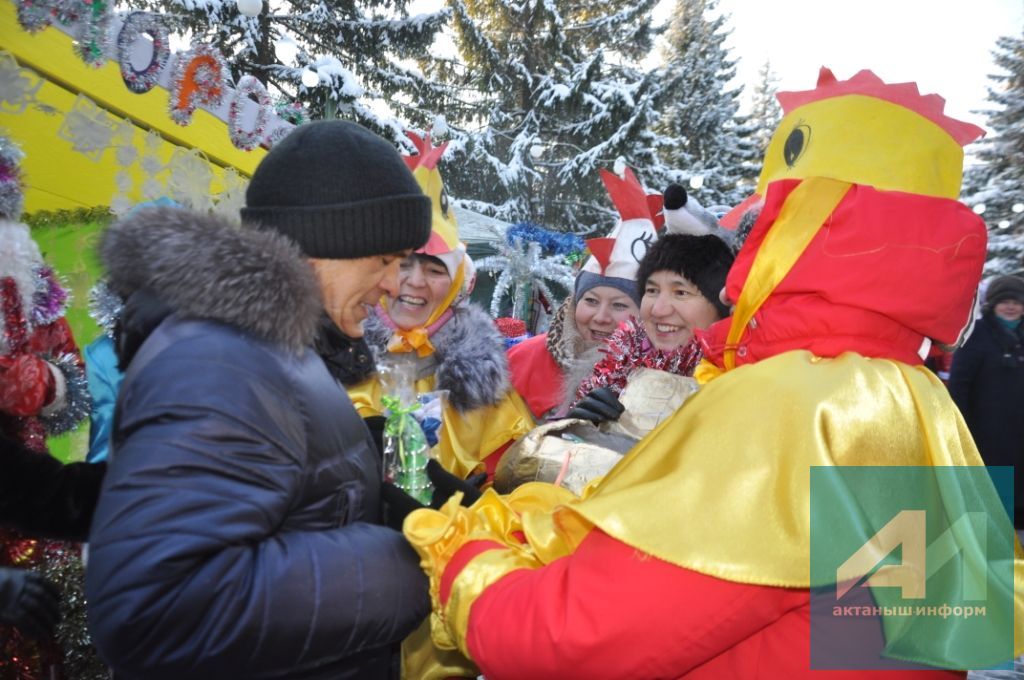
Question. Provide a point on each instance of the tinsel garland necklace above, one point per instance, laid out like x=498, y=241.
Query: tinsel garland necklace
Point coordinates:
x=628, y=349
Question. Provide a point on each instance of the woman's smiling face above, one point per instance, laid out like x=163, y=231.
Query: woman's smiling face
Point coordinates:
x=423, y=283
x=673, y=308
x=600, y=310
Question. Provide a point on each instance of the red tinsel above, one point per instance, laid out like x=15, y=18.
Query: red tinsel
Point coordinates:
x=628, y=349
x=511, y=327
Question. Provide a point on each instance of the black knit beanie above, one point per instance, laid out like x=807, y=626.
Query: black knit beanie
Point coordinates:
x=340, y=192
x=703, y=260
x=1004, y=288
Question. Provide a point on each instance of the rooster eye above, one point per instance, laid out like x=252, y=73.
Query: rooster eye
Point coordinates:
x=444, y=202
x=796, y=143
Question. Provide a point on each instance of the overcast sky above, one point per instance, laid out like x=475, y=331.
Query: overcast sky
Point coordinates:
x=943, y=45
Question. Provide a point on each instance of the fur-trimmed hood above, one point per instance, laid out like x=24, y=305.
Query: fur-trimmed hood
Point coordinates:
x=469, y=353
x=203, y=267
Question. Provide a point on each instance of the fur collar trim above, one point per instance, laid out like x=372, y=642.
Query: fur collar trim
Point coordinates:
x=203, y=267
x=469, y=353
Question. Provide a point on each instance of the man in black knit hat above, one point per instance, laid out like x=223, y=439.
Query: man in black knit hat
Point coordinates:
x=238, y=531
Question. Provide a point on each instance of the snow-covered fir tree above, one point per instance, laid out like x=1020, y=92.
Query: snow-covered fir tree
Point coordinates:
x=547, y=92
x=361, y=50
x=711, y=139
x=765, y=112
x=997, y=179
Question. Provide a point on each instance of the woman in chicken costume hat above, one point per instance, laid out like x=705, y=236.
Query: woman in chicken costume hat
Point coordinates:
x=691, y=558
x=454, y=345
x=547, y=368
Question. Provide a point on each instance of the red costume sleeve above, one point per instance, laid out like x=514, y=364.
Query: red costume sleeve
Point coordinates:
x=576, y=616
x=26, y=385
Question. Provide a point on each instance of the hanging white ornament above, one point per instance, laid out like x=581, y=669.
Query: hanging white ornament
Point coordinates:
x=310, y=78
x=250, y=8
x=286, y=50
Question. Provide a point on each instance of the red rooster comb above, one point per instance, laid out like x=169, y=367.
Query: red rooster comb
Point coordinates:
x=427, y=154
x=630, y=199
x=902, y=94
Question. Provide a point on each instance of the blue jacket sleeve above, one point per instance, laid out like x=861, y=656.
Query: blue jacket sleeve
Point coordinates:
x=104, y=381
x=203, y=562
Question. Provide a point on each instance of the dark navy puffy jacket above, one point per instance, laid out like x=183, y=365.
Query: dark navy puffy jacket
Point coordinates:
x=236, y=533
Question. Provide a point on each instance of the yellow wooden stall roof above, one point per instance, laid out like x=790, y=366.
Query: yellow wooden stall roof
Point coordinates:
x=59, y=178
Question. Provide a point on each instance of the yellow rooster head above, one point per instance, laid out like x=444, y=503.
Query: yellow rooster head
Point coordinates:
x=867, y=132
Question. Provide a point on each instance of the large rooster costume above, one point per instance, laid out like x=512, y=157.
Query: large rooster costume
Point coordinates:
x=691, y=557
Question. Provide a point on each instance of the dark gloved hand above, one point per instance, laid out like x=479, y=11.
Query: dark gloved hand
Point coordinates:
x=375, y=424
x=28, y=602
x=397, y=505
x=42, y=497
x=599, y=406
x=446, y=484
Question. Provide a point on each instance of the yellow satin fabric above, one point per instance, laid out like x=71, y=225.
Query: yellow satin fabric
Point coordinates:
x=465, y=439
x=806, y=209
x=438, y=534
x=423, y=660
x=723, y=486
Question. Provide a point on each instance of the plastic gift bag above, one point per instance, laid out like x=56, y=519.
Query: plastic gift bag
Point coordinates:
x=406, y=449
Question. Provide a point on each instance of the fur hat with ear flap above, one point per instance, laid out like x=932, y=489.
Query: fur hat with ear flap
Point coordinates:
x=703, y=260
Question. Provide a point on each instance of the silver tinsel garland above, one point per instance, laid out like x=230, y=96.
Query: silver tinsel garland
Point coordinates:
x=79, y=402
x=11, y=196
x=105, y=307
x=521, y=264
x=63, y=566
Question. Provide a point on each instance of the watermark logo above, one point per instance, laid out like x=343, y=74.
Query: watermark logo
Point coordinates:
x=911, y=567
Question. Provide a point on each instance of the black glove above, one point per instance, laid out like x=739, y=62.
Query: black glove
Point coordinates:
x=42, y=497
x=28, y=602
x=446, y=484
x=397, y=505
x=375, y=424
x=599, y=406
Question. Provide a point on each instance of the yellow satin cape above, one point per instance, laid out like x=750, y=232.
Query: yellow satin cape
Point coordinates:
x=723, y=486
x=465, y=439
